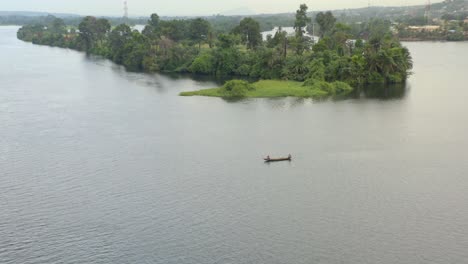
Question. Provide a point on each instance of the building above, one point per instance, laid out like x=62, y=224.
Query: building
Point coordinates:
x=428, y=28
x=290, y=31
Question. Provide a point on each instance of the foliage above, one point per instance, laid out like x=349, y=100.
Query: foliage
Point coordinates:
x=301, y=20
x=135, y=52
x=194, y=45
x=326, y=21
x=295, y=68
x=249, y=29
x=334, y=88
x=267, y=63
x=316, y=70
x=118, y=39
x=456, y=36
x=152, y=29
x=341, y=87
x=92, y=33
x=226, y=41
x=199, y=30
x=274, y=88
x=236, y=89
x=203, y=64
x=299, y=41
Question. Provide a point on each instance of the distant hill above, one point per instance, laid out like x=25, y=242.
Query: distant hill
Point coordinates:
x=35, y=14
x=241, y=11
x=226, y=20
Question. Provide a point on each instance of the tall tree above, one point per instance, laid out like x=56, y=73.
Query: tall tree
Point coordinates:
x=176, y=30
x=93, y=31
x=57, y=26
x=301, y=20
x=249, y=29
x=199, y=29
x=154, y=20
x=136, y=49
x=118, y=39
x=280, y=40
x=102, y=28
x=326, y=22
x=226, y=41
x=87, y=29
x=300, y=24
x=152, y=30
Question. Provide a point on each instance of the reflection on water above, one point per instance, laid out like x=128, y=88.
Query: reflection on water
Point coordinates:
x=173, y=76
x=161, y=80
x=383, y=92
x=388, y=91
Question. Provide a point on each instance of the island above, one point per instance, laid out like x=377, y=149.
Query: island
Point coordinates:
x=346, y=56
x=275, y=88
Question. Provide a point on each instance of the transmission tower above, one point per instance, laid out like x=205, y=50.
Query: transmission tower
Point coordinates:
x=369, y=5
x=427, y=12
x=125, y=10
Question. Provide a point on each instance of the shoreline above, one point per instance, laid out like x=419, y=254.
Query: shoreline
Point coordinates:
x=428, y=40
x=274, y=89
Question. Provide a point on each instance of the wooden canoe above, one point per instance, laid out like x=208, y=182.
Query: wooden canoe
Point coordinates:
x=277, y=159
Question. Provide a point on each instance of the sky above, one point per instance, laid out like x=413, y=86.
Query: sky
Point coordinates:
x=187, y=7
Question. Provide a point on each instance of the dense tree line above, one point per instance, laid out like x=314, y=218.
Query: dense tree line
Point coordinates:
x=368, y=55
x=70, y=20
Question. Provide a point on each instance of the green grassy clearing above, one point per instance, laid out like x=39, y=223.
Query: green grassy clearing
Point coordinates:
x=268, y=89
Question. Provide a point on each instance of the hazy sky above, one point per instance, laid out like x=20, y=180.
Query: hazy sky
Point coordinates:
x=185, y=7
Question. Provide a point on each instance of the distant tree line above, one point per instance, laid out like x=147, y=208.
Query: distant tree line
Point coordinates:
x=69, y=20
x=370, y=54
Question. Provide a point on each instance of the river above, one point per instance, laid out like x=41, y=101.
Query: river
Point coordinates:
x=99, y=165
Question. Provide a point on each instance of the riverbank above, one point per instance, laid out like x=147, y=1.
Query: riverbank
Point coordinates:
x=429, y=39
x=273, y=89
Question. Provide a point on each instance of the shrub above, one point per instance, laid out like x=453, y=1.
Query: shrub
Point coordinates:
x=375, y=77
x=316, y=70
x=395, y=78
x=310, y=82
x=202, y=64
x=149, y=64
x=244, y=70
x=295, y=68
x=342, y=87
x=236, y=89
x=327, y=88
x=324, y=86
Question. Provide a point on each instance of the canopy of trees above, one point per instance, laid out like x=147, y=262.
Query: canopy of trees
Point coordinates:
x=370, y=54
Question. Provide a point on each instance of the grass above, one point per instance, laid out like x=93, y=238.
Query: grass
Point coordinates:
x=268, y=89
x=213, y=92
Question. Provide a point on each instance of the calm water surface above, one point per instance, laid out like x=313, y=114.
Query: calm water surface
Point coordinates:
x=98, y=165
